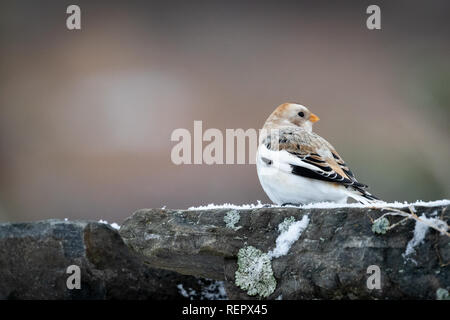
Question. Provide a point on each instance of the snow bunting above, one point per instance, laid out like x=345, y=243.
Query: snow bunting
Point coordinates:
x=297, y=166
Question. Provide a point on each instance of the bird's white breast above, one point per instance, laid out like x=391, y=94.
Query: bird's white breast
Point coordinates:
x=283, y=187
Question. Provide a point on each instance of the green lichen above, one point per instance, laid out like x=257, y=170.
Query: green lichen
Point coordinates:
x=380, y=226
x=442, y=294
x=254, y=273
x=284, y=226
x=232, y=217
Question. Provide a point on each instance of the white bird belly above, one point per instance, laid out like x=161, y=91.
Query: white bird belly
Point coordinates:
x=283, y=187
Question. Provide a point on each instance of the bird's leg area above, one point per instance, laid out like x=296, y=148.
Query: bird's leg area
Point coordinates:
x=290, y=204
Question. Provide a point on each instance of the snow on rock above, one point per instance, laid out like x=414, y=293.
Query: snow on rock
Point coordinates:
x=184, y=293
x=113, y=225
x=214, y=291
x=288, y=237
x=207, y=290
x=228, y=206
x=420, y=231
x=328, y=205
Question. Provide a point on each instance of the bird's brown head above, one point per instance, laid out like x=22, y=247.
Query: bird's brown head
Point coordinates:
x=292, y=114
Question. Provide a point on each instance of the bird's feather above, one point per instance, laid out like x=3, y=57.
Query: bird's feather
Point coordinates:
x=309, y=155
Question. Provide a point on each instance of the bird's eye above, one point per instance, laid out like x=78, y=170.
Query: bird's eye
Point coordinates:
x=301, y=114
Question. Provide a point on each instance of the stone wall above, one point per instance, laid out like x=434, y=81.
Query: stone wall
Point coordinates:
x=264, y=252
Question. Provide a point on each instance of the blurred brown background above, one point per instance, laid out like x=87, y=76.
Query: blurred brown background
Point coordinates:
x=86, y=116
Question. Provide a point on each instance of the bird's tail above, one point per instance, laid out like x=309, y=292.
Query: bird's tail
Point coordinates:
x=363, y=196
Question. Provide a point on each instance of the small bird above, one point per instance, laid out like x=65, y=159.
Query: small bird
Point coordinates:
x=296, y=166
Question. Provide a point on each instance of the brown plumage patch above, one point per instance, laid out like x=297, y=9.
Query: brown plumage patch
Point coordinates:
x=336, y=168
x=279, y=111
x=304, y=145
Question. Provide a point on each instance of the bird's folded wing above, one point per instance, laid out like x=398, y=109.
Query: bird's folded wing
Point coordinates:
x=296, y=152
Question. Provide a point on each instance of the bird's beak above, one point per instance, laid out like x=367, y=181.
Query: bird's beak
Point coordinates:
x=313, y=118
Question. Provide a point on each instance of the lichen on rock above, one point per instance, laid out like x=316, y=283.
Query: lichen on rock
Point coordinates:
x=254, y=272
x=231, y=218
x=380, y=225
x=284, y=226
x=442, y=294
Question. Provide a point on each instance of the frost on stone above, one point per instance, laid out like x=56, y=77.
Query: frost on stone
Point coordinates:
x=420, y=231
x=380, y=225
x=113, y=225
x=230, y=206
x=290, y=230
x=214, y=291
x=191, y=294
x=208, y=290
x=327, y=205
x=232, y=217
x=254, y=273
x=442, y=294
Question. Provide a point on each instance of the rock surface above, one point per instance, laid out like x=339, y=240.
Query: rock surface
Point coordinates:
x=330, y=260
x=34, y=258
x=273, y=252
